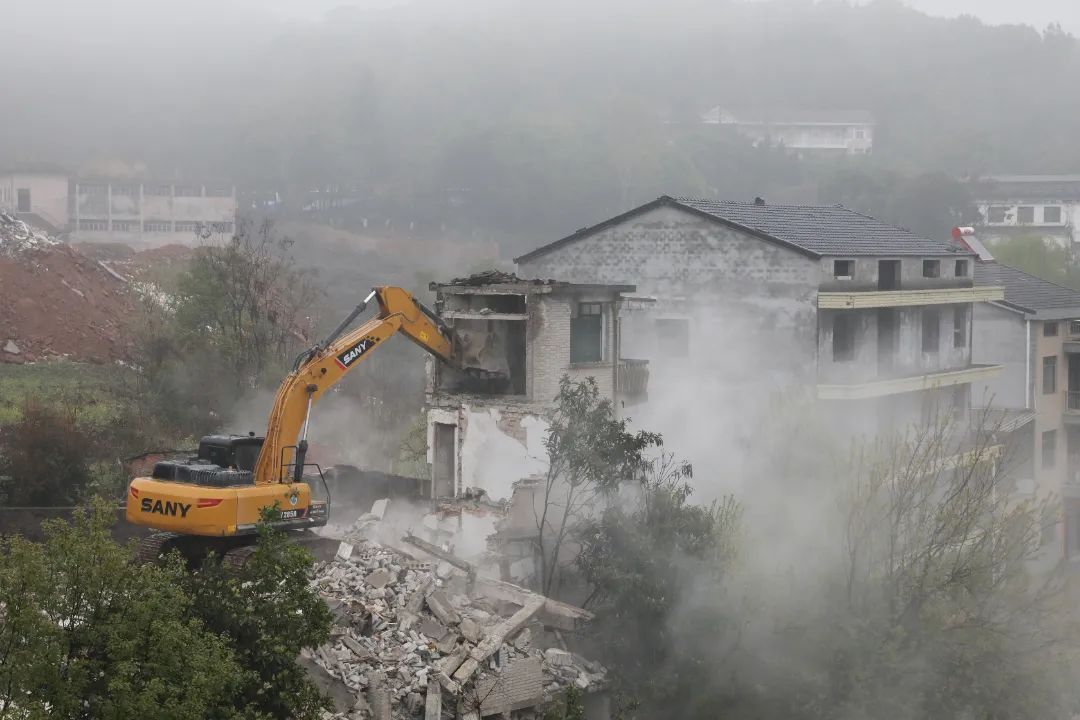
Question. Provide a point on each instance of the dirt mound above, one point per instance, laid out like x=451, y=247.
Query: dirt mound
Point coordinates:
x=55, y=301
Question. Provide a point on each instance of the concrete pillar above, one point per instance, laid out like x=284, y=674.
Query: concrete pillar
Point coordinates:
x=108, y=206
x=75, y=210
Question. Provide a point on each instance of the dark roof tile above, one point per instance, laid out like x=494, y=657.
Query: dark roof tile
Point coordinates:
x=1026, y=291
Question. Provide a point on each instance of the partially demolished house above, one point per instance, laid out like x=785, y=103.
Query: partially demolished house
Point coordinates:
x=484, y=434
x=875, y=320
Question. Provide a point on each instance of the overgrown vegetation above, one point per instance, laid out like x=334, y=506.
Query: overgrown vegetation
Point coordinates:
x=915, y=593
x=86, y=633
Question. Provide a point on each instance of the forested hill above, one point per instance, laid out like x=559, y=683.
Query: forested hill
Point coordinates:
x=531, y=119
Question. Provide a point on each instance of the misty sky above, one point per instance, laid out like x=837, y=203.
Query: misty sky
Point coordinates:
x=1038, y=13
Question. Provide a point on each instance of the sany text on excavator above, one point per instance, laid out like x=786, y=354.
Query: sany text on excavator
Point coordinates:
x=212, y=502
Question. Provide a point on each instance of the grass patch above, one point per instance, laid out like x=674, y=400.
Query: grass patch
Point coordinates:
x=96, y=391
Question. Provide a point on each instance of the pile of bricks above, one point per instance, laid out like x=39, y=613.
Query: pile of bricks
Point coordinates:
x=428, y=639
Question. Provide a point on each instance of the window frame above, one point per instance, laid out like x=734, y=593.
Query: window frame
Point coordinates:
x=1056, y=209
x=931, y=268
x=1020, y=212
x=1001, y=210
x=1049, y=379
x=578, y=315
x=850, y=266
x=1050, y=328
x=961, y=268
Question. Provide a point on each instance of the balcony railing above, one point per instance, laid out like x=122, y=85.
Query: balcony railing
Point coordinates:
x=1073, y=403
x=632, y=379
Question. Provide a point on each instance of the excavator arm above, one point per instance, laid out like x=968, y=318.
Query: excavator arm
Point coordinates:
x=318, y=369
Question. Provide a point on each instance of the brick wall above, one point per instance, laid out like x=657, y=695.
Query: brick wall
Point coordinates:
x=730, y=284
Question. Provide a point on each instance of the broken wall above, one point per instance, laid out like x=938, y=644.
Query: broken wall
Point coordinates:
x=495, y=444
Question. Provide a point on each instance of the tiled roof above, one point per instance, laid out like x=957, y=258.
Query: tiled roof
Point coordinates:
x=1026, y=291
x=810, y=229
x=824, y=230
x=1026, y=187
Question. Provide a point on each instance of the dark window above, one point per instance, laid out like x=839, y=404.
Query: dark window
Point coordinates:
x=1049, y=377
x=843, y=337
x=961, y=268
x=1050, y=329
x=843, y=269
x=931, y=268
x=931, y=329
x=888, y=274
x=1049, y=448
x=587, y=334
x=1025, y=214
x=996, y=214
x=1051, y=214
x=1074, y=327
x=23, y=199
x=960, y=323
x=673, y=335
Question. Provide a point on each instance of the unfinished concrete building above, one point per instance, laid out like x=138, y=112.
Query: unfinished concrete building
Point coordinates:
x=487, y=433
x=874, y=319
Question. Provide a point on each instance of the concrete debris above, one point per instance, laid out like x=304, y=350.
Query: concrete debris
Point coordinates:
x=412, y=642
x=17, y=237
x=12, y=348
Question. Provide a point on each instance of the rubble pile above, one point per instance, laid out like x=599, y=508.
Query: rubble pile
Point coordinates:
x=56, y=302
x=413, y=638
x=18, y=237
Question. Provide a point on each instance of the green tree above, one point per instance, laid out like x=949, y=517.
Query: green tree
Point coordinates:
x=590, y=453
x=248, y=302
x=649, y=556
x=84, y=633
x=268, y=611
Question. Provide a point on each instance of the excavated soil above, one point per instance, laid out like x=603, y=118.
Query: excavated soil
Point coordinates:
x=57, y=302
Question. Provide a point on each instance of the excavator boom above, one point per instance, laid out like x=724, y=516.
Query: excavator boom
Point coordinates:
x=223, y=492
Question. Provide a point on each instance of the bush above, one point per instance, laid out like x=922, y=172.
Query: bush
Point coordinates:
x=44, y=456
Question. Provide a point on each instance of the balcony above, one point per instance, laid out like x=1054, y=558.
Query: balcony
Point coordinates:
x=632, y=381
x=1072, y=408
x=895, y=386
x=907, y=298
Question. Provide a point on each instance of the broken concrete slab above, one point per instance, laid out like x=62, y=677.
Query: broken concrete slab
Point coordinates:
x=434, y=630
x=519, y=685
x=378, y=508
x=379, y=697
x=379, y=578
x=557, y=657
x=440, y=606
x=11, y=348
x=433, y=704
x=471, y=630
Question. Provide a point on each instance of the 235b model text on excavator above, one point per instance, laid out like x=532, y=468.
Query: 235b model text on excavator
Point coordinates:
x=214, y=501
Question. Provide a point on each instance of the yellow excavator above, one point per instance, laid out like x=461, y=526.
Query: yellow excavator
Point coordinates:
x=213, y=501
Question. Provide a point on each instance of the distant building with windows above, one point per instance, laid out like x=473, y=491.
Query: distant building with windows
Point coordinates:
x=848, y=132
x=1036, y=206
x=136, y=213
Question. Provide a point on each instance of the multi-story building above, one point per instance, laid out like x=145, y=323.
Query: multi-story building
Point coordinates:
x=487, y=433
x=875, y=319
x=841, y=132
x=1029, y=206
x=1034, y=334
x=140, y=214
